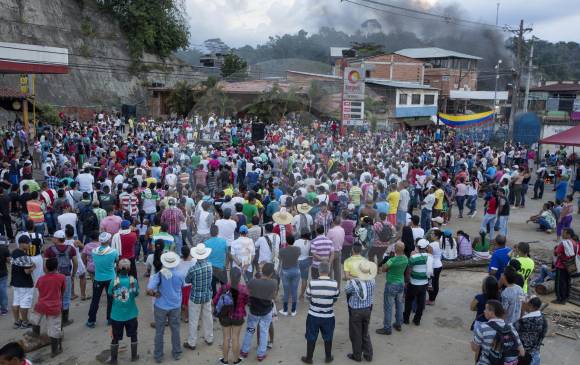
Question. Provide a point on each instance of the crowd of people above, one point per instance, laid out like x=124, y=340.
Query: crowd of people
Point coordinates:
x=209, y=223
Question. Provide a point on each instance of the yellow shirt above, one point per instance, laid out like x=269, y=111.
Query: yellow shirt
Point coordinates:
x=393, y=199
x=439, y=195
x=151, y=180
x=526, y=270
x=351, y=266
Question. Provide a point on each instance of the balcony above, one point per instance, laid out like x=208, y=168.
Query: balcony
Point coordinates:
x=415, y=111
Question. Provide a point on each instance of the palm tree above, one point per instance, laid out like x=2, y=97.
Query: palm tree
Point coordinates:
x=180, y=99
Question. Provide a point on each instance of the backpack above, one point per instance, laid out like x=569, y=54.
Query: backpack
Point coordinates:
x=224, y=305
x=64, y=264
x=35, y=247
x=504, y=348
x=384, y=232
x=304, y=226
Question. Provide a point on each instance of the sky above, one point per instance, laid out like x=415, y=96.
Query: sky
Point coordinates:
x=241, y=22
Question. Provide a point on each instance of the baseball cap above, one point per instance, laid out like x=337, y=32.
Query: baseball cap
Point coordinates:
x=59, y=234
x=244, y=229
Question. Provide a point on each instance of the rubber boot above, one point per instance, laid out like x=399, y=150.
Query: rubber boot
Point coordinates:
x=309, y=352
x=134, y=356
x=36, y=331
x=65, y=320
x=55, y=347
x=328, y=351
x=114, y=354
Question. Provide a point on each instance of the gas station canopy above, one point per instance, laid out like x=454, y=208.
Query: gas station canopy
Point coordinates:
x=19, y=58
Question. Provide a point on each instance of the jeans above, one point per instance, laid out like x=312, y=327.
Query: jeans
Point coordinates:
x=425, y=219
x=98, y=287
x=538, y=189
x=517, y=190
x=264, y=324
x=197, y=311
x=488, y=219
x=290, y=280
x=471, y=203
x=523, y=194
x=393, y=296
x=161, y=317
x=6, y=226
x=503, y=224
x=4, y=293
x=460, y=204
x=50, y=219
x=67, y=292
x=535, y=358
x=178, y=243
x=544, y=225
x=141, y=244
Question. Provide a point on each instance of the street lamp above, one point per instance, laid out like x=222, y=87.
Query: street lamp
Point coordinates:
x=495, y=106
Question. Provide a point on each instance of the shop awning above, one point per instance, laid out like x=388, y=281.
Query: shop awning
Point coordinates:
x=570, y=137
x=420, y=122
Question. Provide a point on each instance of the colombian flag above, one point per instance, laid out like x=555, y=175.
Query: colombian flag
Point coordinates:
x=466, y=121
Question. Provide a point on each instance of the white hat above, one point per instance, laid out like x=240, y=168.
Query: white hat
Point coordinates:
x=439, y=220
x=170, y=260
x=104, y=237
x=422, y=243
x=200, y=252
x=367, y=270
x=303, y=208
x=283, y=217
x=59, y=234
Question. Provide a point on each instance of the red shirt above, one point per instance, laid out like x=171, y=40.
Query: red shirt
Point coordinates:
x=50, y=290
x=492, y=206
x=128, y=242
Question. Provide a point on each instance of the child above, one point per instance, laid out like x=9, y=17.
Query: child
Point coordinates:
x=464, y=246
x=49, y=305
x=124, y=310
x=13, y=354
x=143, y=231
x=481, y=247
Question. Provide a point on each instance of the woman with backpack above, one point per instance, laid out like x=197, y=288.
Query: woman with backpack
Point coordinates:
x=230, y=307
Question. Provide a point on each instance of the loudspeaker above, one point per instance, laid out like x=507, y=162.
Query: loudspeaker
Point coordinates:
x=129, y=110
x=258, y=131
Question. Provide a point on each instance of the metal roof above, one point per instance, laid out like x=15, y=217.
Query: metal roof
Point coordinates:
x=337, y=51
x=399, y=84
x=433, y=52
x=559, y=87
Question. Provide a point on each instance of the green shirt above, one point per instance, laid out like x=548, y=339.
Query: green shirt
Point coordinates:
x=195, y=160
x=155, y=157
x=527, y=268
x=418, y=264
x=310, y=196
x=250, y=211
x=397, y=266
x=124, y=290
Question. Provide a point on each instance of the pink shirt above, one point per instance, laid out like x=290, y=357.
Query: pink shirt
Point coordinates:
x=111, y=224
x=336, y=235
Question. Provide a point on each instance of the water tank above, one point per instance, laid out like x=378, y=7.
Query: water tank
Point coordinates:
x=527, y=128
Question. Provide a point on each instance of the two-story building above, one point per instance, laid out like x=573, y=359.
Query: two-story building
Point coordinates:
x=445, y=70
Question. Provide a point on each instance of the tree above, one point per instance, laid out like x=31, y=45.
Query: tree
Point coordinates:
x=374, y=108
x=368, y=49
x=315, y=95
x=180, y=100
x=234, y=65
x=215, y=100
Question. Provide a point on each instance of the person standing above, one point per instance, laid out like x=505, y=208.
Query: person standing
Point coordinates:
x=511, y=296
x=21, y=281
x=4, y=259
x=290, y=274
x=128, y=240
x=104, y=260
x=360, y=294
x=217, y=257
x=336, y=234
x=166, y=285
x=503, y=212
x=532, y=329
x=67, y=265
x=124, y=312
x=200, y=277
x=322, y=249
x=242, y=253
x=322, y=293
x=395, y=268
x=564, y=252
x=172, y=216
x=427, y=208
x=262, y=291
x=500, y=257
x=416, y=291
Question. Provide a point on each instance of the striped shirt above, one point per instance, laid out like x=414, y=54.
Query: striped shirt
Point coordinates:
x=322, y=247
x=322, y=293
x=483, y=336
x=418, y=263
x=129, y=203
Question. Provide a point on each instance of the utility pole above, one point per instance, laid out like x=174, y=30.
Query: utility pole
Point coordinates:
x=497, y=15
x=519, y=32
x=527, y=95
x=495, y=106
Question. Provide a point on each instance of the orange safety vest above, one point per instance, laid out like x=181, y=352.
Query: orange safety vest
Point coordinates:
x=35, y=212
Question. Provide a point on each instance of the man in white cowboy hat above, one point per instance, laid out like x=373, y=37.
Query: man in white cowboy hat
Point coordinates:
x=360, y=292
x=302, y=222
x=282, y=220
x=199, y=276
x=165, y=286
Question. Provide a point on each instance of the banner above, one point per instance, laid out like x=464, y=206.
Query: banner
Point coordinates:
x=466, y=121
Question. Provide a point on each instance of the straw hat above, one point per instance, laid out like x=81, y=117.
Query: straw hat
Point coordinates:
x=367, y=270
x=200, y=252
x=170, y=260
x=303, y=208
x=282, y=217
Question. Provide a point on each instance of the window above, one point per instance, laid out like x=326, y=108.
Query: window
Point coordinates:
x=367, y=74
x=403, y=99
x=416, y=99
x=429, y=100
x=444, y=78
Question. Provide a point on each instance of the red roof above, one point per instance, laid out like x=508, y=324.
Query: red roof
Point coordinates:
x=559, y=87
x=570, y=137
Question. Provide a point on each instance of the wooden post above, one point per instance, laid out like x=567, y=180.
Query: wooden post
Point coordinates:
x=25, y=114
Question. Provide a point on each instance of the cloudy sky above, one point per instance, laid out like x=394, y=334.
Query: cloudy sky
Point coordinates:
x=241, y=22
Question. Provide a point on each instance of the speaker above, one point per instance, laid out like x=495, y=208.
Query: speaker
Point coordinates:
x=129, y=110
x=258, y=131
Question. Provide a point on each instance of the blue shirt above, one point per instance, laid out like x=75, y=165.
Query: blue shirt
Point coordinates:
x=382, y=207
x=490, y=171
x=104, y=258
x=499, y=261
x=199, y=276
x=219, y=249
x=561, y=190
x=170, y=289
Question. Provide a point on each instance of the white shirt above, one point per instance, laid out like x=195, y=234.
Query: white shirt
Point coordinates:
x=243, y=251
x=429, y=201
x=68, y=218
x=304, y=246
x=436, y=254
x=85, y=182
x=203, y=225
x=404, y=199
x=227, y=229
x=267, y=254
x=418, y=232
x=296, y=223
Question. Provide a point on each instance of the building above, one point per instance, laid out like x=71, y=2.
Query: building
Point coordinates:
x=556, y=101
x=445, y=70
x=391, y=67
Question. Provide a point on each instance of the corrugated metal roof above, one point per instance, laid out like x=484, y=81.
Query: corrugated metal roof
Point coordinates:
x=559, y=87
x=399, y=84
x=433, y=52
x=337, y=51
